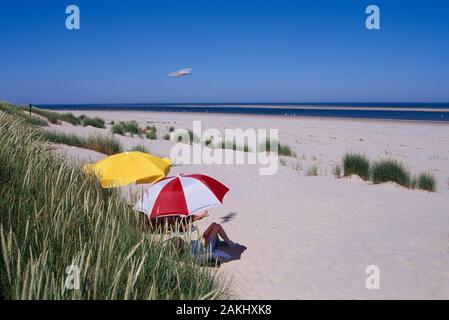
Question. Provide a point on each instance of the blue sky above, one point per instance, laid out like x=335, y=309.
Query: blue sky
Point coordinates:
x=241, y=51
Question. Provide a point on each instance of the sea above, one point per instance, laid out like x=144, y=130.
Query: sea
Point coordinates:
x=394, y=111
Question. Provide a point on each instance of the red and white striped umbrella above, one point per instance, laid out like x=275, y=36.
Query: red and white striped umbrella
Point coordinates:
x=183, y=195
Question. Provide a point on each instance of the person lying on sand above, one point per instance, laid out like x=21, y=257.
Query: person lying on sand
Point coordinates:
x=208, y=243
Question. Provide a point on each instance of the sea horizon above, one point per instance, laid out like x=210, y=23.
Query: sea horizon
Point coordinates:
x=364, y=110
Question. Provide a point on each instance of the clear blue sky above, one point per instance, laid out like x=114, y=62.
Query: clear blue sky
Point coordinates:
x=241, y=51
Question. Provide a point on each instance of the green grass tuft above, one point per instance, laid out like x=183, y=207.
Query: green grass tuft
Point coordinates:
x=94, y=122
x=282, y=149
x=151, y=133
x=356, y=164
x=69, y=139
x=118, y=129
x=123, y=127
x=103, y=144
x=426, y=181
x=390, y=170
x=336, y=171
x=19, y=113
x=56, y=117
x=70, y=118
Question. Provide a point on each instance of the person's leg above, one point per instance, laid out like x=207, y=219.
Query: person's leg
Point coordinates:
x=213, y=232
x=209, y=229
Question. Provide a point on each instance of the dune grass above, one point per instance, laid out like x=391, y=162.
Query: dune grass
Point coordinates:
x=35, y=121
x=184, y=136
x=19, y=113
x=117, y=128
x=56, y=117
x=151, y=128
x=70, y=118
x=123, y=127
x=52, y=216
x=426, y=181
x=151, y=132
x=312, y=171
x=357, y=164
x=152, y=135
x=104, y=144
x=390, y=170
x=193, y=137
x=230, y=145
x=385, y=170
x=282, y=149
x=69, y=139
x=336, y=171
x=94, y=122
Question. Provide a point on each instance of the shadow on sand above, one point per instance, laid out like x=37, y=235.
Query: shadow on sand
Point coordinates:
x=228, y=217
x=234, y=253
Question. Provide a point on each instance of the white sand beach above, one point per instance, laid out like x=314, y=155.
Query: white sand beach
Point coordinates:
x=312, y=237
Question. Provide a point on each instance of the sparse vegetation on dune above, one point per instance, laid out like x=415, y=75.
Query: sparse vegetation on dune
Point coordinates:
x=282, y=149
x=56, y=117
x=312, y=171
x=53, y=216
x=151, y=133
x=426, y=181
x=118, y=129
x=19, y=112
x=123, y=127
x=390, y=170
x=93, y=122
x=151, y=128
x=385, y=170
x=70, y=118
x=64, y=138
x=336, y=171
x=106, y=144
x=283, y=162
x=184, y=136
x=97, y=142
x=230, y=145
x=357, y=164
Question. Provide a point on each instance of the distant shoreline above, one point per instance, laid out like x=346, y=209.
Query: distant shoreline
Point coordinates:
x=436, y=113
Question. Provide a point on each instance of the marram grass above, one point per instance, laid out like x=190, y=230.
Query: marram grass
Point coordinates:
x=390, y=170
x=107, y=144
x=426, y=181
x=358, y=164
x=53, y=216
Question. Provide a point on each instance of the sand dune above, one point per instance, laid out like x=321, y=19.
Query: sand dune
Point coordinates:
x=313, y=237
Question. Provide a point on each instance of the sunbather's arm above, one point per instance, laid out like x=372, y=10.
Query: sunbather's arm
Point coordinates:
x=199, y=216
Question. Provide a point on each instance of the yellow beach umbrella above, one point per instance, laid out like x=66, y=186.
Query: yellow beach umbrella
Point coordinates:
x=129, y=167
